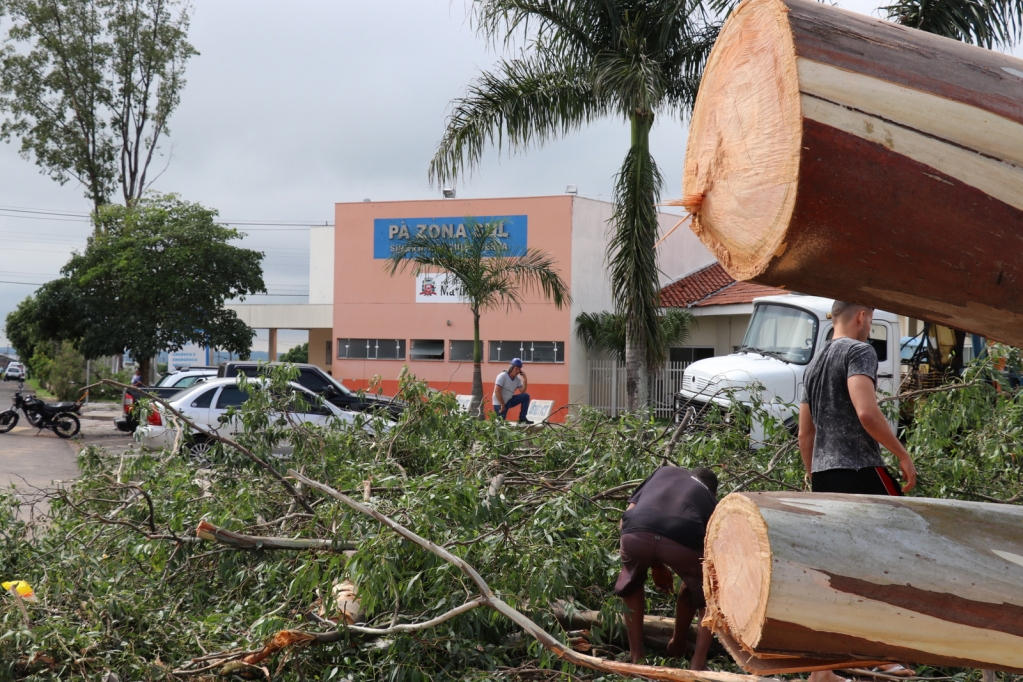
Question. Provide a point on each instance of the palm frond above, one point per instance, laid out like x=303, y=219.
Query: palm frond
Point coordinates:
x=988, y=23
x=527, y=102
x=606, y=332
x=602, y=332
x=631, y=255
x=488, y=274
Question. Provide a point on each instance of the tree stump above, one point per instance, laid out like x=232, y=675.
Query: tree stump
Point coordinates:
x=844, y=156
x=804, y=581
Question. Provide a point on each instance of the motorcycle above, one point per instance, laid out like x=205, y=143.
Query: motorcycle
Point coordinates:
x=59, y=417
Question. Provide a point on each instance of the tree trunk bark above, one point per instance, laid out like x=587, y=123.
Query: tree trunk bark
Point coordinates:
x=802, y=581
x=637, y=392
x=840, y=155
x=476, y=405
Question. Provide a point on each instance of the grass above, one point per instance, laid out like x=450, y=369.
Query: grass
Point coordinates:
x=40, y=391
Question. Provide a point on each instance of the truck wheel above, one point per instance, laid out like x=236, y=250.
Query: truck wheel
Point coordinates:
x=792, y=424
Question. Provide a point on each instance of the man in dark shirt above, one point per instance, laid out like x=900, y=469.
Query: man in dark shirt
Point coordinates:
x=664, y=525
x=841, y=425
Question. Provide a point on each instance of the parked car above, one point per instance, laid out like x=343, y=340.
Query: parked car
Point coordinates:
x=321, y=383
x=168, y=386
x=15, y=372
x=186, y=376
x=206, y=405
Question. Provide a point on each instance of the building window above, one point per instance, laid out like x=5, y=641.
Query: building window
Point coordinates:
x=427, y=349
x=690, y=354
x=528, y=351
x=461, y=351
x=371, y=349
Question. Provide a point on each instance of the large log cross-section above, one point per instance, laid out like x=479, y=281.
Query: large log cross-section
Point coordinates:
x=802, y=581
x=840, y=155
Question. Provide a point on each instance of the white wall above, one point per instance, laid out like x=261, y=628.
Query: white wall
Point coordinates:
x=591, y=290
x=681, y=252
x=720, y=332
x=321, y=265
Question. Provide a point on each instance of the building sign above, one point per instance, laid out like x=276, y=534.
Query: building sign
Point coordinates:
x=189, y=356
x=390, y=233
x=437, y=287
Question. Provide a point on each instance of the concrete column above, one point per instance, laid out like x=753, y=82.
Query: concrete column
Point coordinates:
x=272, y=346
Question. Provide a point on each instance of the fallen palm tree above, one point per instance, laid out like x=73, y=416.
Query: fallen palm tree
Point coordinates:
x=798, y=581
x=834, y=153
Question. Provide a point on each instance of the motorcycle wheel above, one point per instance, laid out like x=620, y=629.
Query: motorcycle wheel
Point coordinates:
x=66, y=425
x=8, y=420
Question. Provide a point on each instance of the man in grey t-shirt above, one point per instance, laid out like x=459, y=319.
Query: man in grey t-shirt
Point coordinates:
x=840, y=423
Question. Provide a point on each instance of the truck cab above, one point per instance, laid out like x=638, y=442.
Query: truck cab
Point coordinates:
x=785, y=333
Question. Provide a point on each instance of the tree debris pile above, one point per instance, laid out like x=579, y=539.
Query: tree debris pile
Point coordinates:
x=126, y=584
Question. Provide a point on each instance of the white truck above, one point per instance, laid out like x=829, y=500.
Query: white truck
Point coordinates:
x=784, y=334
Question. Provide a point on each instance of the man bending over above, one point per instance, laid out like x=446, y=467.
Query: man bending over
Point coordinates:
x=664, y=525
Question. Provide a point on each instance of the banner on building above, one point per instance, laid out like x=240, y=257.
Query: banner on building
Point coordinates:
x=191, y=355
x=390, y=233
x=437, y=287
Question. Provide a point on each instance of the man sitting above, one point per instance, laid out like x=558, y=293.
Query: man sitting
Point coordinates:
x=664, y=525
x=505, y=398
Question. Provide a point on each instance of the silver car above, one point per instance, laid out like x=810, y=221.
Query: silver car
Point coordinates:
x=206, y=403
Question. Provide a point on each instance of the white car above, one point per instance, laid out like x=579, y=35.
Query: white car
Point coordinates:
x=205, y=403
x=15, y=372
x=189, y=376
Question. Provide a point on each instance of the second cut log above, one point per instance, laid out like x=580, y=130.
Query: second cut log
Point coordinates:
x=802, y=581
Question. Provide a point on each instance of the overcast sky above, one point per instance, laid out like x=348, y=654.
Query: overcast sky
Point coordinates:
x=292, y=107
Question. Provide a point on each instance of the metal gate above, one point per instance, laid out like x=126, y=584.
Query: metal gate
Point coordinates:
x=607, y=387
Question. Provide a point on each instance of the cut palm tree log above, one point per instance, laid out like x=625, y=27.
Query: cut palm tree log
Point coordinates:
x=844, y=156
x=800, y=581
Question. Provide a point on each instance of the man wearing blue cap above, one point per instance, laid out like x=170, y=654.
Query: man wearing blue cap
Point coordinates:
x=505, y=398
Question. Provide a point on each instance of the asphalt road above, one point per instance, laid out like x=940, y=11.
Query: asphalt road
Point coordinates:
x=31, y=459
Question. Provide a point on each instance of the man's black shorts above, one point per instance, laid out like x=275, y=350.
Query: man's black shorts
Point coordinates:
x=866, y=481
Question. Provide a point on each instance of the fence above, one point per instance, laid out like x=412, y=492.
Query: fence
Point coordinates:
x=607, y=387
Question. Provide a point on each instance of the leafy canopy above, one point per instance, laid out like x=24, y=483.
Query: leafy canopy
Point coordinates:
x=89, y=87
x=154, y=277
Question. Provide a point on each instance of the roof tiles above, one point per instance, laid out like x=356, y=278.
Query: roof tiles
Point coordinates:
x=712, y=286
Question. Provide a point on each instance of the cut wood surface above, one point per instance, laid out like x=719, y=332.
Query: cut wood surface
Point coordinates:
x=844, y=156
x=803, y=581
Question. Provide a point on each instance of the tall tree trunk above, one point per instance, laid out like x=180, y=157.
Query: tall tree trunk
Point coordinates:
x=803, y=581
x=146, y=364
x=633, y=260
x=476, y=406
x=844, y=156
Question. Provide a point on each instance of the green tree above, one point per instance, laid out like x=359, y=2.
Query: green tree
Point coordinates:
x=89, y=85
x=631, y=59
x=22, y=331
x=154, y=277
x=489, y=277
x=988, y=23
x=605, y=332
x=298, y=353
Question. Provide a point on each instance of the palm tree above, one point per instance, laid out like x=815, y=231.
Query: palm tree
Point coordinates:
x=489, y=277
x=605, y=332
x=586, y=59
x=988, y=23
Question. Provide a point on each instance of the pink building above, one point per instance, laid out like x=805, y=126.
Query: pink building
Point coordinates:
x=384, y=322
